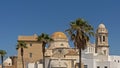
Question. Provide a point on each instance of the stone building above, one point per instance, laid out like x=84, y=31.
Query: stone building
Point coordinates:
x=33, y=52
x=59, y=54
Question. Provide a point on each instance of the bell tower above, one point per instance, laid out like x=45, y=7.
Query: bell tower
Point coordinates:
x=102, y=46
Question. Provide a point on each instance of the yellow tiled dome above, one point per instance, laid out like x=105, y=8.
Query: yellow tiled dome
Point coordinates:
x=59, y=35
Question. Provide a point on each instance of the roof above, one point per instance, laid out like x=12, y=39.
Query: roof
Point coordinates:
x=58, y=35
x=101, y=26
x=27, y=38
x=8, y=60
x=72, y=52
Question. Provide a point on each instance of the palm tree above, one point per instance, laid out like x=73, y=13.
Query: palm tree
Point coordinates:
x=21, y=46
x=44, y=39
x=79, y=33
x=2, y=53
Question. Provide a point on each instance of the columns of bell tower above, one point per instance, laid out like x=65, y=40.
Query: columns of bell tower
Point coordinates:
x=102, y=46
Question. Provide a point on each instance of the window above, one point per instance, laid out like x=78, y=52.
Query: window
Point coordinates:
x=98, y=66
x=103, y=38
x=105, y=67
x=60, y=51
x=62, y=44
x=104, y=52
x=9, y=63
x=30, y=44
x=30, y=54
x=85, y=66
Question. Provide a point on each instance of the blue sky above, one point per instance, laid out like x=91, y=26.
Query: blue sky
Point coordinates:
x=28, y=17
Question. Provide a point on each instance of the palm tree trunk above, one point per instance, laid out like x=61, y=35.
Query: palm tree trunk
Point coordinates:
x=2, y=60
x=80, y=58
x=22, y=57
x=43, y=46
x=43, y=61
x=22, y=62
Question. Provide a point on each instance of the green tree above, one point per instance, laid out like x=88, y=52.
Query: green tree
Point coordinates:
x=79, y=33
x=21, y=46
x=2, y=53
x=44, y=39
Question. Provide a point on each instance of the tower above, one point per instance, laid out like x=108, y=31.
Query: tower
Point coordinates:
x=102, y=46
x=33, y=52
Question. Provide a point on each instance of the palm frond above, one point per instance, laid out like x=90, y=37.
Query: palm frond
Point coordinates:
x=3, y=52
x=80, y=31
x=21, y=44
x=44, y=38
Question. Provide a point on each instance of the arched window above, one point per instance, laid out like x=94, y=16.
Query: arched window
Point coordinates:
x=9, y=63
x=103, y=38
x=105, y=52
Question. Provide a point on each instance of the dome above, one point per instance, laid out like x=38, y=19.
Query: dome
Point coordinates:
x=101, y=26
x=59, y=35
x=7, y=62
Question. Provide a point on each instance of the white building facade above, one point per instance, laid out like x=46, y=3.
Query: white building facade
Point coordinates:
x=97, y=55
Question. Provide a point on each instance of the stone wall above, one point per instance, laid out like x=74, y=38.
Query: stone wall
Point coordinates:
x=33, y=52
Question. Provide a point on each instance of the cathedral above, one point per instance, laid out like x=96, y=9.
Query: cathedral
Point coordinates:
x=59, y=54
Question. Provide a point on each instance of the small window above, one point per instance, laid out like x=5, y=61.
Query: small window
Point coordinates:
x=85, y=66
x=9, y=63
x=60, y=51
x=98, y=66
x=118, y=61
x=62, y=44
x=30, y=44
x=103, y=38
x=30, y=55
x=105, y=67
x=104, y=52
x=114, y=60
